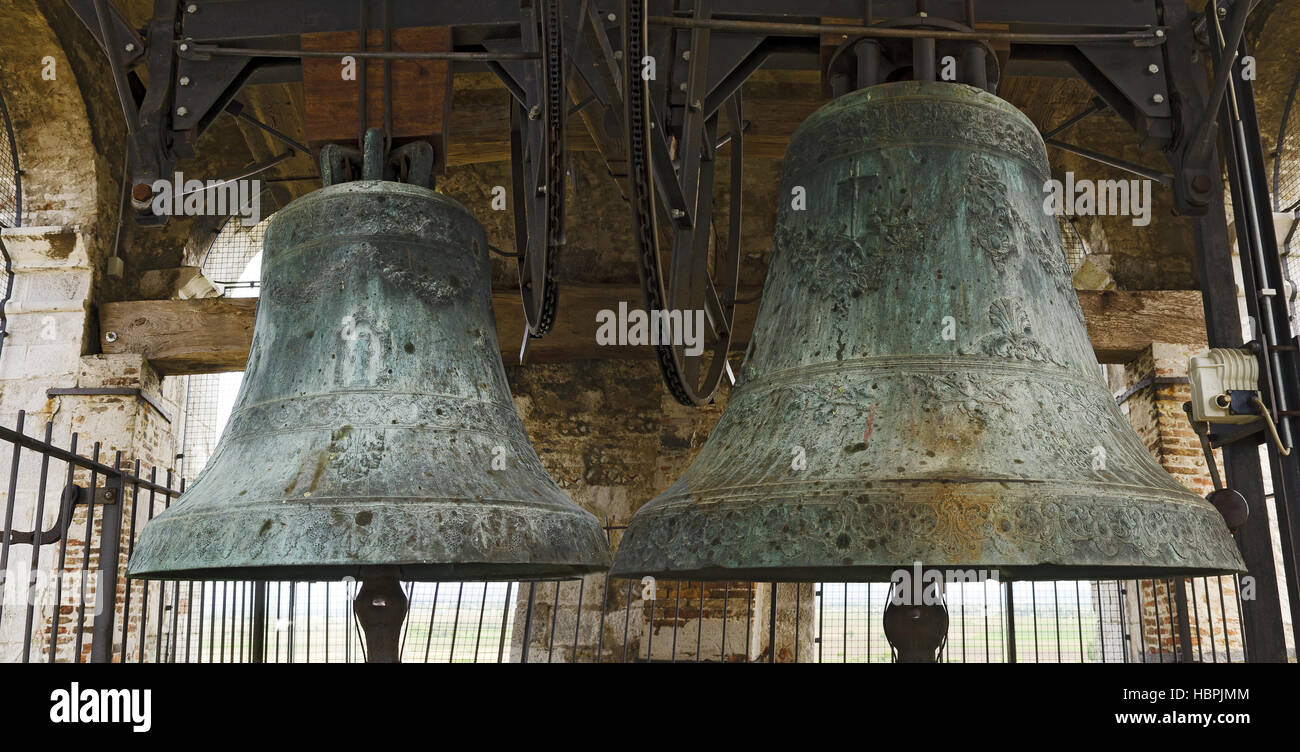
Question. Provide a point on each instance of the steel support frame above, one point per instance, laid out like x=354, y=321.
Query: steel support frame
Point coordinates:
x=165, y=121
x=1262, y=625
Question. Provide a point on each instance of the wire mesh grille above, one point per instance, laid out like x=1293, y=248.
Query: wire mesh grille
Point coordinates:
x=10, y=177
x=1072, y=241
x=1286, y=189
x=227, y=261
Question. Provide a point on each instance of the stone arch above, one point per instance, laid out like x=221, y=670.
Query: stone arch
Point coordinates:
x=63, y=133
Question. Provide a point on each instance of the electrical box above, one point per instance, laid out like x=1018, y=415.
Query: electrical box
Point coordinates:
x=1224, y=384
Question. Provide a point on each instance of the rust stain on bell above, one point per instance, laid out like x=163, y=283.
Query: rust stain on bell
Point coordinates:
x=374, y=431
x=924, y=214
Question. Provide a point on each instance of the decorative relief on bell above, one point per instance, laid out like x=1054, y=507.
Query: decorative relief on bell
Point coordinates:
x=374, y=434
x=920, y=343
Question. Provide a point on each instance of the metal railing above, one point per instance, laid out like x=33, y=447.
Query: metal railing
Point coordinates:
x=70, y=522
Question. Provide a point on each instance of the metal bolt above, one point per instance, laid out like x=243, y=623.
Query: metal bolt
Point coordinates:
x=191, y=8
x=618, y=54
x=541, y=189
x=612, y=17
x=923, y=14
x=184, y=47
x=677, y=213
x=1158, y=98
x=686, y=55
x=182, y=111
x=1223, y=10
x=1160, y=33
x=1153, y=68
x=682, y=86
x=697, y=105
x=110, y=336
x=185, y=80
x=106, y=494
x=130, y=47
x=534, y=112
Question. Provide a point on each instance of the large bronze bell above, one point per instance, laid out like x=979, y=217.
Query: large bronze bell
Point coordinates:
x=920, y=385
x=374, y=433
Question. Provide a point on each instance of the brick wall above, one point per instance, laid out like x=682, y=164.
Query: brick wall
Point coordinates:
x=1157, y=381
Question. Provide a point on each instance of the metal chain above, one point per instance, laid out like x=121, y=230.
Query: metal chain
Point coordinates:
x=641, y=193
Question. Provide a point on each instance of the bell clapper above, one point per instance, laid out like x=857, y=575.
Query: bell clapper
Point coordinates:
x=916, y=631
x=380, y=606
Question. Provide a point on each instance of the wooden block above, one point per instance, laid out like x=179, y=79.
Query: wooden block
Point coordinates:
x=208, y=335
x=1123, y=323
x=421, y=92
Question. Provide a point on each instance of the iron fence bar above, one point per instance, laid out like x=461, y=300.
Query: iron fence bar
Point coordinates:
x=577, y=621
x=130, y=545
x=1033, y=602
x=405, y=628
x=9, y=514
x=1196, y=613
x=1056, y=618
x=162, y=590
x=38, y=523
x=455, y=622
x=505, y=615
x=798, y=608
x=433, y=610
x=478, y=635
x=528, y=622
x=749, y=620
x=189, y=618
x=771, y=627
x=63, y=563
x=1009, y=619
x=1078, y=618
x=142, y=633
x=985, y=601
x=844, y=625
x=1247, y=648
x=600, y=626
x=722, y=649
x=555, y=614
x=258, y=646
x=1101, y=620
x=203, y=603
x=650, y=621
x=699, y=629
x=110, y=543
x=677, y=611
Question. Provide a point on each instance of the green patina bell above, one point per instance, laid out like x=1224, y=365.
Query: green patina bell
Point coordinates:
x=920, y=385
x=374, y=433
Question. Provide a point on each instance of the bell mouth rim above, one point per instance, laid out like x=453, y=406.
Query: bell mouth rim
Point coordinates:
x=521, y=571
x=885, y=573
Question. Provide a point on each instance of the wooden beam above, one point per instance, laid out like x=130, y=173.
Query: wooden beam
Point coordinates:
x=214, y=334
x=1123, y=323
x=206, y=335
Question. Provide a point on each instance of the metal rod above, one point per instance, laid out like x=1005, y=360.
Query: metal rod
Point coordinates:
x=237, y=110
x=129, y=110
x=1148, y=37
x=1222, y=72
x=1136, y=169
x=1098, y=105
x=196, y=51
